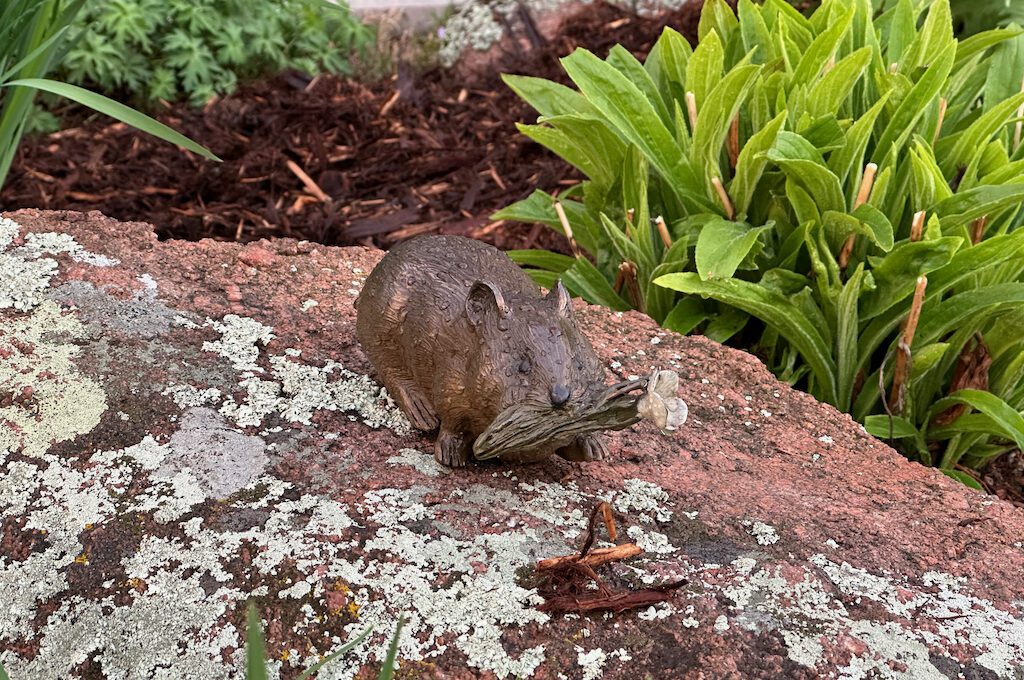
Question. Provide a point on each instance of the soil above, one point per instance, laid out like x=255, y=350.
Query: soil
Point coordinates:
x=337, y=161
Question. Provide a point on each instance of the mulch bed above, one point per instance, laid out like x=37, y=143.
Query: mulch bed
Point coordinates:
x=331, y=160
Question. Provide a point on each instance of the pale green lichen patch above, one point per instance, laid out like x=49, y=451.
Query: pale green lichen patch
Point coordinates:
x=59, y=402
x=810, y=610
x=290, y=389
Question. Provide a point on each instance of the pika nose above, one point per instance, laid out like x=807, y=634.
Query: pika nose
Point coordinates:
x=559, y=394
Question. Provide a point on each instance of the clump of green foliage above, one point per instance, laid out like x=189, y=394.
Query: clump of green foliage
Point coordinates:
x=33, y=42
x=195, y=49
x=975, y=16
x=810, y=189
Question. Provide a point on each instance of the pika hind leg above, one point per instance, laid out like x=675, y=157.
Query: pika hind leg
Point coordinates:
x=586, y=448
x=414, y=404
x=452, y=448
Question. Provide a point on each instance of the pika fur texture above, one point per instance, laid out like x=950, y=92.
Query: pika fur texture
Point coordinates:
x=458, y=333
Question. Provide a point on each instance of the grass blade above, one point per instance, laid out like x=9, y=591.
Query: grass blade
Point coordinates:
x=344, y=650
x=125, y=114
x=387, y=671
x=255, y=648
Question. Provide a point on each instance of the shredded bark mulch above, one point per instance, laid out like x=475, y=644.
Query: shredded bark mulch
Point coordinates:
x=331, y=160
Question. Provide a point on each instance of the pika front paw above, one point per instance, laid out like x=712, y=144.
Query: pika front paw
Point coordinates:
x=585, y=449
x=451, y=448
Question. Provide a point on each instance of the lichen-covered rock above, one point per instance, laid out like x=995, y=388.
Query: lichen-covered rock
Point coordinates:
x=187, y=426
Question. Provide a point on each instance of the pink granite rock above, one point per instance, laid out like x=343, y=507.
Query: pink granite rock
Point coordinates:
x=186, y=426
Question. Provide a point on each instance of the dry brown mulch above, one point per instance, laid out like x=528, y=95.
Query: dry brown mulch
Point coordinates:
x=332, y=160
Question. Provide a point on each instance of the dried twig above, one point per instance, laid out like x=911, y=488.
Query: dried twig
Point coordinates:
x=691, y=109
x=897, y=397
x=734, y=141
x=628, y=271
x=867, y=182
x=723, y=197
x=566, y=582
x=978, y=229
x=307, y=182
x=567, y=228
x=659, y=222
x=917, y=226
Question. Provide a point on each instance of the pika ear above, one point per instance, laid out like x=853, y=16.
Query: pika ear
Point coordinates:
x=484, y=295
x=560, y=295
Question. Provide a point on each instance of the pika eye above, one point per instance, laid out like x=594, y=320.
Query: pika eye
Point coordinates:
x=525, y=366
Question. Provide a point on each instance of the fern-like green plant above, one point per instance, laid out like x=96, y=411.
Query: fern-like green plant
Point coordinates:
x=33, y=41
x=808, y=188
x=152, y=50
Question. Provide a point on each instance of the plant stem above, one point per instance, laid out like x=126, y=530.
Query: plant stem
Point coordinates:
x=897, y=397
x=568, y=229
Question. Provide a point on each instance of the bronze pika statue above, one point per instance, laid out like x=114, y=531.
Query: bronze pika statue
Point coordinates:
x=459, y=334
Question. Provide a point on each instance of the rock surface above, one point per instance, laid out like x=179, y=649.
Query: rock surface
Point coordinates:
x=185, y=426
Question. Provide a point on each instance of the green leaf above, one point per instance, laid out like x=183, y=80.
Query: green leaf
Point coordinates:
x=975, y=137
x=1009, y=422
x=255, y=649
x=751, y=163
x=832, y=90
x=624, y=248
x=716, y=15
x=625, y=107
x=627, y=64
x=963, y=207
x=544, y=278
x=539, y=207
x=715, y=116
x=348, y=647
x=583, y=142
x=704, y=69
x=548, y=97
x=902, y=31
x=803, y=165
x=979, y=42
x=905, y=118
x=847, y=324
x=685, y=316
x=879, y=426
x=721, y=247
x=773, y=309
x=115, y=110
x=963, y=478
x=387, y=671
x=849, y=161
x=941, y=317
x=667, y=64
x=725, y=325
x=824, y=45
x=584, y=280
x=543, y=259
x=934, y=39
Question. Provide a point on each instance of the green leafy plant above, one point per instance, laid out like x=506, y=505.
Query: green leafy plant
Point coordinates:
x=808, y=188
x=975, y=16
x=256, y=651
x=33, y=39
x=195, y=49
